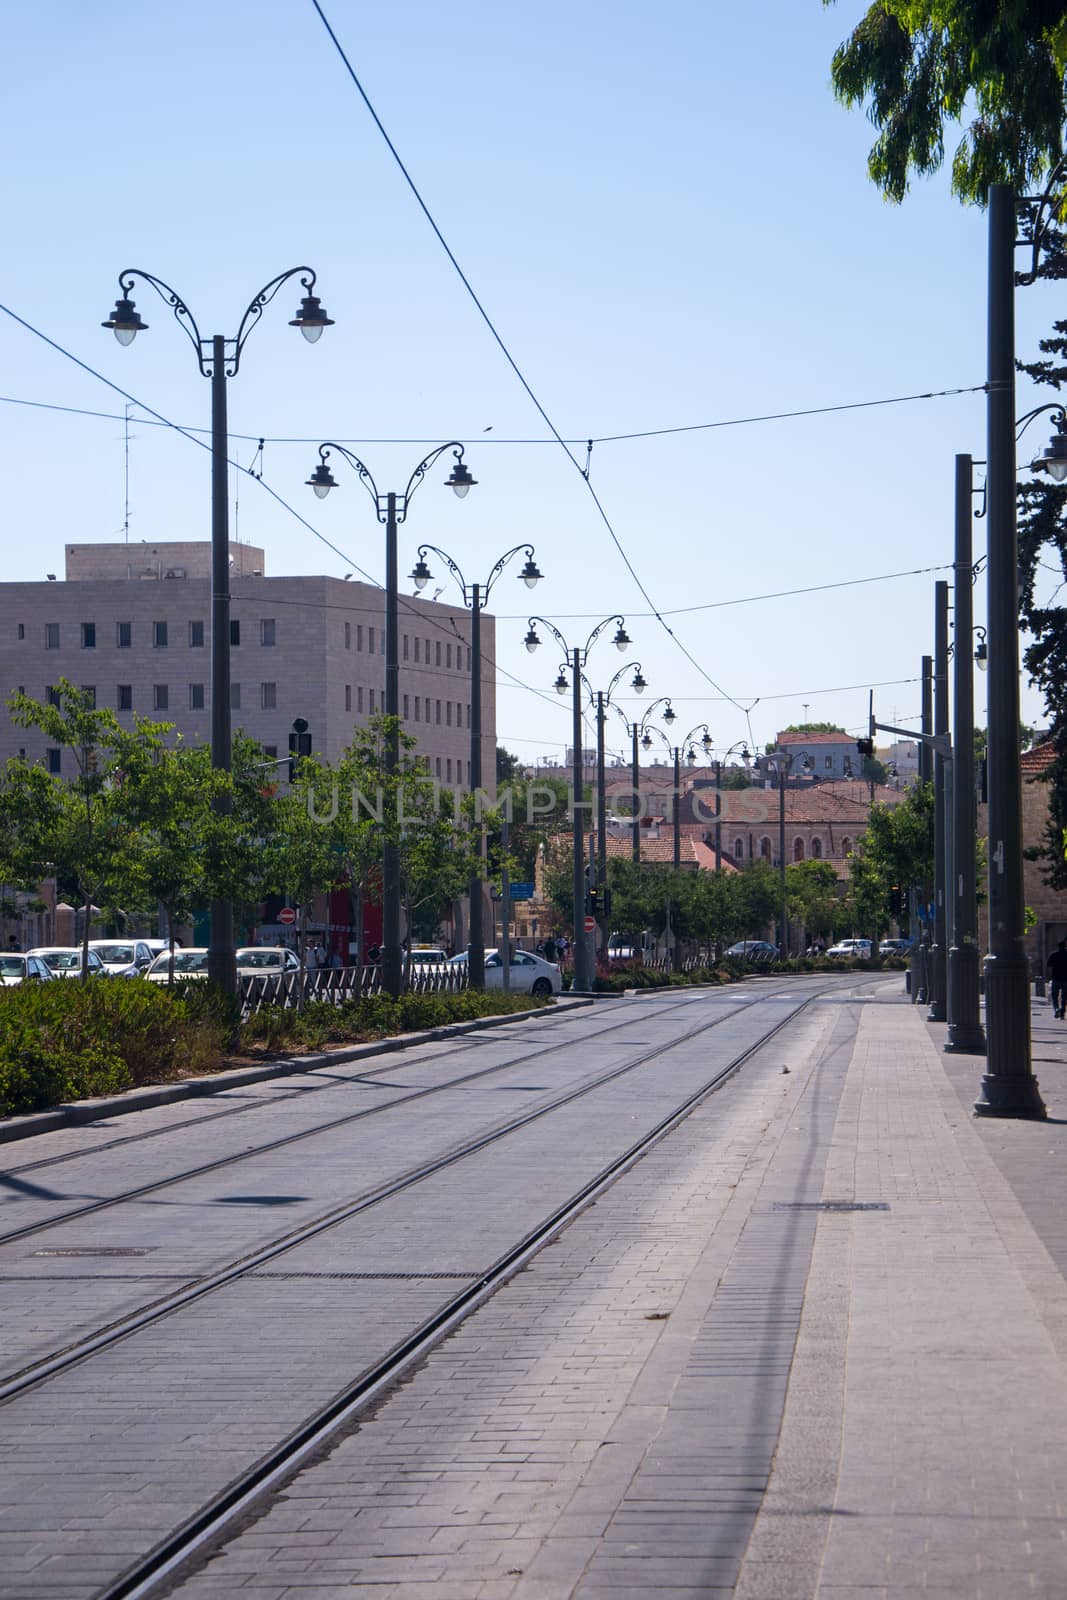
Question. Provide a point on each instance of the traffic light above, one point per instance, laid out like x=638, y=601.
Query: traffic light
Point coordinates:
x=299, y=746
x=896, y=901
x=865, y=747
x=593, y=897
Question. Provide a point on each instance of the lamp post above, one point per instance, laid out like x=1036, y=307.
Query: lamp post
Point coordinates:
x=937, y=952
x=575, y=662
x=391, y=509
x=603, y=700
x=965, y=1035
x=219, y=359
x=639, y=736
x=781, y=762
x=474, y=597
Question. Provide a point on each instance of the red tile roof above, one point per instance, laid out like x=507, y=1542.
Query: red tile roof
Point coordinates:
x=1033, y=763
x=815, y=738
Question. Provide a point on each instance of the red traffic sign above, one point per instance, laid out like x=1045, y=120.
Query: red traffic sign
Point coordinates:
x=287, y=915
x=590, y=924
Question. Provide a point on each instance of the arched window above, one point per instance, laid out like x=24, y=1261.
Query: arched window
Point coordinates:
x=739, y=849
x=846, y=846
x=798, y=849
x=816, y=849
x=765, y=848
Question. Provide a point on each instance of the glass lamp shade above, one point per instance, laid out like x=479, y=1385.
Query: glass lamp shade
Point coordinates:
x=1054, y=460
x=646, y=742
x=622, y=640
x=670, y=715
x=421, y=574
x=561, y=685
x=311, y=318
x=460, y=480
x=125, y=322
x=532, y=641
x=530, y=574
x=322, y=481
x=637, y=683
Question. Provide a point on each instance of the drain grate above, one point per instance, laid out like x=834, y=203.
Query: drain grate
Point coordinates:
x=830, y=1205
x=100, y=1250
x=372, y=1276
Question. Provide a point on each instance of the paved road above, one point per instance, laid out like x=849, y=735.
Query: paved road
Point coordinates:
x=296, y=1203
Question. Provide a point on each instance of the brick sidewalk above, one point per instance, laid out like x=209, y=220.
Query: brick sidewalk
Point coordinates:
x=709, y=1388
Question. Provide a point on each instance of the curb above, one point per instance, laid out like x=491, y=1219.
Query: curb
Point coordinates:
x=76, y=1112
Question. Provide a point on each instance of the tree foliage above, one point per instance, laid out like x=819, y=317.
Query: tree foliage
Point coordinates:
x=920, y=65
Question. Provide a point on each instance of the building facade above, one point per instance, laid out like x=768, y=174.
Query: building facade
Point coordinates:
x=132, y=623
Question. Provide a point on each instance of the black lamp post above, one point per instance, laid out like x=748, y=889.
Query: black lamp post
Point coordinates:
x=781, y=762
x=687, y=745
x=741, y=747
x=603, y=700
x=391, y=509
x=641, y=739
x=939, y=948
x=576, y=661
x=474, y=597
x=219, y=358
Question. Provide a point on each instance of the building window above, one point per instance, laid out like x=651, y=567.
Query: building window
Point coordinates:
x=437, y=653
x=846, y=846
x=123, y=635
x=426, y=658
x=448, y=655
x=348, y=697
x=22, y=630
x=235, y=697
x=468, y=716
x=416, y=700
x=459, y=715
x=437, y=767
x=51, y=696
x=739, y=849
x=816, y=849
x=405, y=647
x=371, y=693
x=448, y=765
x=417, y=643
x=235, y=630
x=53, y=760
x=159, y=635
x=88, y=635
x=765, y=848
x=406, y=712
x=437, y=707
x=266, y=630
x=268, y=696
x=160, y=697
x=798, y=849
x=370, y=640
x=89, y=691
x=448, y=713
x=271, y=750
x=348, y=636
x=196, y=697
x=125, y=697
x=468, y=658
x=359, y=697
x=51, y=638
x=196, y=635
x=828, y=763
x=359, y=636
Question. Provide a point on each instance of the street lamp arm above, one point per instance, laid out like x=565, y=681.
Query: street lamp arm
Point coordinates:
x=664, y=700
x=1059, y=416
x=651, y=729
x=554, y=631
x=364, y=473
x=940, y=743
x=701, y=728
x=1042, y=210
x=256, y=307
x=452, y=566
x=597, y=631
x=182, y=315
x=420, y=472
x=520, y=549
x=627, y=724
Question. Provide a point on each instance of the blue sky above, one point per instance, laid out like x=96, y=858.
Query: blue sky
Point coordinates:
x=668, y=219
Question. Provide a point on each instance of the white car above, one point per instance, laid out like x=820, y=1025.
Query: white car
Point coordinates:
x=265, y=961
x=424, y=956
x=188, y=963
x=529, y=974
x=16, y=968
x=123, y=958
x=66, y=960
x=854, y=949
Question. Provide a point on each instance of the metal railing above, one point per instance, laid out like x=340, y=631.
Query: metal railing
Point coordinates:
x=336, y=985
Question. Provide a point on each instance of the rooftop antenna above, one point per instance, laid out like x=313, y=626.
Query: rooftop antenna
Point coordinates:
x=126, y=481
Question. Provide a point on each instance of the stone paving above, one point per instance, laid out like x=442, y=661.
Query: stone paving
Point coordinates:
x=707, y=1387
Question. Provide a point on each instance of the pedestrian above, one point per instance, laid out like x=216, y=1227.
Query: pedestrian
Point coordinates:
x=551, y=952
x=335, y=960
x=12, y=943
x=1057, y=971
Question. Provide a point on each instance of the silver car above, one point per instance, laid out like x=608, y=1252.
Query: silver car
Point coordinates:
x=65, y=960
x=16, y=968
x=529, y=974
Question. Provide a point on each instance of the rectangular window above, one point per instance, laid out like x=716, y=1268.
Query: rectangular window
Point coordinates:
x=266, y=630
x=437, y=766
x=468, y=716
x=123, y=635
x=196, y=697
x=89, y=691
x=196, y=635
x=438, y=715
x=468, y=658
x=348, y=697
x=370, y=640
x=359, y=636
x=448, y=765
x=348, y=636
x=124, y=697
x=359, y=697
x=160, y=697
x=53, y=760
x=828, y=763
x=271, y=750
x=406, y=645
x=88, y=635
x=268, y=696
x=159, y=635
x=426, y=657
x=235, y=630
x=235, y=697
x=416, y=708
x=448, y=655
x=406, y=712
x=448, y=713
x=51, y=696
x=22, y=630
x=417, y=643
x=437, y=654
x=371, y=692
x=51, y=638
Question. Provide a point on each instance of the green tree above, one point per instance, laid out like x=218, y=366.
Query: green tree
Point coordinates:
x=813, y=897
x=919, y=65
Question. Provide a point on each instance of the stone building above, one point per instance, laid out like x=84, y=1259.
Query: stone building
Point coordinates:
x=1049, y=906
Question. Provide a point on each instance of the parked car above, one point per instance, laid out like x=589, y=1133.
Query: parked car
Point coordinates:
x=851, y=949
x=265, y=961
x=66, y=961
x=123, y=958
x=895, y=947
x=16, y=968
x=427, y=957
x=757, y=950
x=188, y=963
x=529, y=974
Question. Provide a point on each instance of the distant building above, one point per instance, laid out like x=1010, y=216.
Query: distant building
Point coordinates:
x=832, y=755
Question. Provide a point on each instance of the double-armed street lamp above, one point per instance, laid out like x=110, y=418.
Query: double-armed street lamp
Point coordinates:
x=741, y=749
x=676, y=754
x=391, y=509
x=576, y=660
x=474, y=597
x=638, y=735
x=782, y=762
x=603, y=701
x=219, y=359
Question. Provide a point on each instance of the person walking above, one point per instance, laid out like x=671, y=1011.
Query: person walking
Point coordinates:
x=1057, y=971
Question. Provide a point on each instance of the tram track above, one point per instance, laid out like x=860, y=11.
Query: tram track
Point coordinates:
x=197, y=1288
